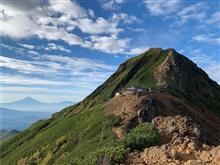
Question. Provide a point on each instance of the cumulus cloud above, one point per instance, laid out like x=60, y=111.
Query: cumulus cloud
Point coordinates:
x=99, y=26
x=109, y=44
x=55, y=20
x=161, y=7
x=67, y=7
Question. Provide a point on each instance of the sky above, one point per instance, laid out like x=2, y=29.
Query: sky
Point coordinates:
x=57, y=50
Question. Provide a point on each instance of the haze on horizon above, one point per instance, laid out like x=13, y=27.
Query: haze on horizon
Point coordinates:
x=58, y=51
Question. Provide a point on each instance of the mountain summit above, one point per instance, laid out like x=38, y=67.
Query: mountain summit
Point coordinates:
x=158, y=68
x=161, y=87
x=27, y=101
x=30, y=104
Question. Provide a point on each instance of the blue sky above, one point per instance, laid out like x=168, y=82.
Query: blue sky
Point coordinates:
x=56, y=50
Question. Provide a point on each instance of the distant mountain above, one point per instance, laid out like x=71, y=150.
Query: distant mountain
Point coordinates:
x=4, y=134
x=19, y=120
x=30, y=104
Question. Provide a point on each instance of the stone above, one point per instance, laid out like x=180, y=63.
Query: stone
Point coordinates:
x=206, y=147
x=172, y=129
x=155, y=154
x=193, y=162
x=205, y=156
x=177, y=141
x=173, y=153
x=192, y=146
x=197, y=132
x=164, y=147
x=217, y=156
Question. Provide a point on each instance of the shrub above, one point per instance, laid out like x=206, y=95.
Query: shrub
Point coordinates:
x=144, y=135
x=116, y=154
x=112, y=120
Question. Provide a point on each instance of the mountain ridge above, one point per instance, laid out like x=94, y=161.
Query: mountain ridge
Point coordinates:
x=181, y=90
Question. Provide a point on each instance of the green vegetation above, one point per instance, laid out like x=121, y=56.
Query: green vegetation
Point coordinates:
x=64, y=138
x=85, y=136
x=116, y=154
x=144, y=76
x=142, y=136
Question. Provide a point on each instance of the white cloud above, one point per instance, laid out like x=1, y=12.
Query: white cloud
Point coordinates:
x=57, y=20
x=193, y=12
x=111, y=4
x=13, y=48
x=25, y=80
x=161, y=7
x=109, y=44
x=207, y=38
x=11, y=18
x=67, y=7
x=28, y=46
x=52, y=46
x=30, y=66
x=201, y=58
x=125, y=18
x=32, y=52
x=100, y=26
x=54, y=72
x=214, y=19
x=60, y=66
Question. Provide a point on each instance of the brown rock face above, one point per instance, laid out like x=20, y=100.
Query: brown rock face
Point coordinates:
x=168, y=65
x=133, y=109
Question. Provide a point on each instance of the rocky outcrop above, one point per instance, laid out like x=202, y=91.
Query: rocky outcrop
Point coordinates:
x=167, y=155
x=181, y=143
x=177, y=129
x=167, y=65
x=132, y=110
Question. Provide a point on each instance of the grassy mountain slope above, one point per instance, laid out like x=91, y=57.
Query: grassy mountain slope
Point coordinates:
x=77, y=130
x=61, y=137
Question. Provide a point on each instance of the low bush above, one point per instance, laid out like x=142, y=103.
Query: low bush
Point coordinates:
x=116, y=154
x=142, y=136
